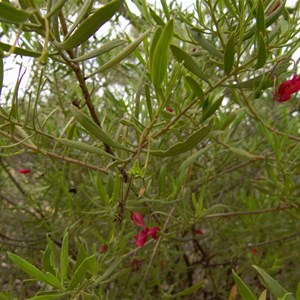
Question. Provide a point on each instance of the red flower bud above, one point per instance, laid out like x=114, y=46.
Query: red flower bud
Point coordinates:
x=24, y=171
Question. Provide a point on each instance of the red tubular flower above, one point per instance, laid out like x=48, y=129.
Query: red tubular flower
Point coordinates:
x=169, y=109
x=153, y=232
x=200, y=231
x=24, y=171
x=287, y=88
x=253, y=251
x=137, y=218
x=142, y=237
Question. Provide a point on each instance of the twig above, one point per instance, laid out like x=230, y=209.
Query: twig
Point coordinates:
x=243, y=213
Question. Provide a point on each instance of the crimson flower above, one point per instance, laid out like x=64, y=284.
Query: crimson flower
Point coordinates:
x=169, y=109
x=253, y=251
x=24, y=171
x=142, y=237
x=287, y=88
x=200, y=231
x=137, y=218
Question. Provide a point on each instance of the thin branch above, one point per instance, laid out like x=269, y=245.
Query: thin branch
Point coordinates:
x=254, y=212
x=54, y=155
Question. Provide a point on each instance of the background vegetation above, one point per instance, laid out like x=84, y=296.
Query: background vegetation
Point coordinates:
x=167, y=114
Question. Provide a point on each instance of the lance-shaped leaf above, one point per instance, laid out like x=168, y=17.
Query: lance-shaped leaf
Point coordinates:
x=80, y=273
x=188, y=62
x=122, y=54
x=85, y=148
x=90, y=25
x=195, y=86
x=243, y=289
x=211, y=109
x=103, y=49
x=193, y=140
x=204, y=43
x=93, y=129
x=84, y=11
x=260, y=18
x=10, y=14
x=159, y=62
x=58, y=5
x=269, y=20
x=262, y=51
x=229, y=54
x=64, y=258
x=19, y=51
x=273, y=286
x=31, y=270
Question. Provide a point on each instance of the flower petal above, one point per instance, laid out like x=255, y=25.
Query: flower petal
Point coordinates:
x=153, y=232
x=24, y=171
x=142, y=237
x=137, y=218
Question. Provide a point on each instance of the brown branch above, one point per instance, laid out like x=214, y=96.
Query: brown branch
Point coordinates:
x=87, y=96
x=54, y=155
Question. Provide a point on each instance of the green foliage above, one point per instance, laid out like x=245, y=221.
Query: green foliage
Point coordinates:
x=142, y=152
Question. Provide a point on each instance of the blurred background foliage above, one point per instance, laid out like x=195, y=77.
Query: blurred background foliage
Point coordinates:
x=177, y=123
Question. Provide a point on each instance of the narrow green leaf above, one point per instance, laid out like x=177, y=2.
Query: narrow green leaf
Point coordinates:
x=80, y=273
x=211, y=109
x=90, y=25
x=148, y=100
x=188, y=62
x=103, y=49
x=195, y=86
x=47, y=263
x=260, y=18
x=263, y=295
x=158, y=65
x=272, y=285
x=10, y=14
x=84, y=11
x=229, y=54
x=165, y=8
x=27, y=267
x=181, y=147
x=242, y=152
x=52, y=280
x=122, y=54
x=114, y=265
x=204, y=43
x=154, y=42
x=86, y=148
x=64, y=258
x=58, y=5
x=47, y=297
x=298, y=292
x=95, y=130
x=19, y=51
x=189, y=290
x=81, y=256
x=156, y=18
x=243, y=289
x=262, y=51
x=269, y=20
